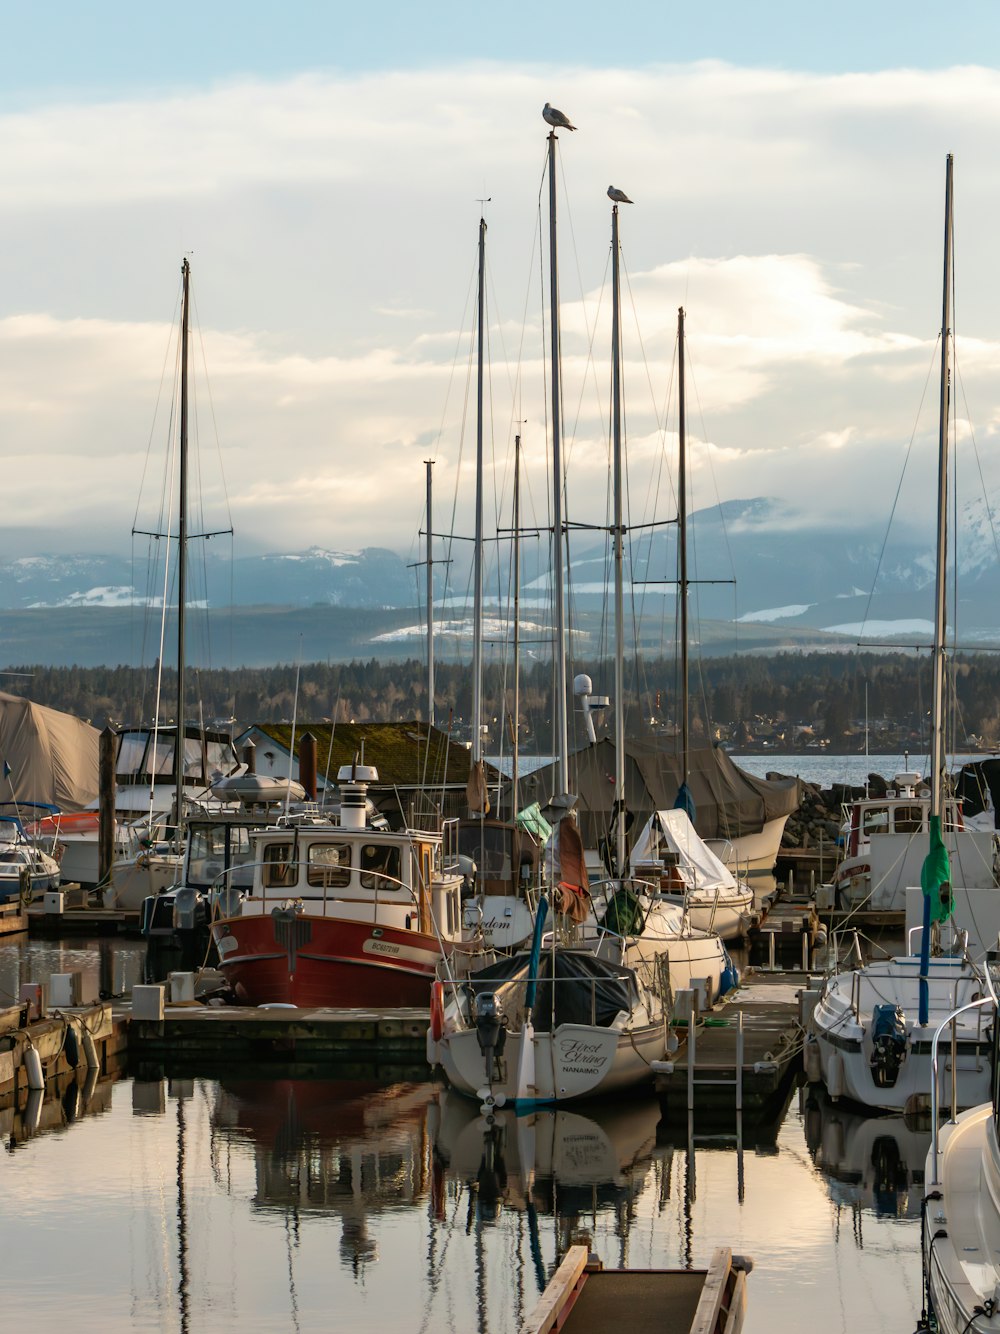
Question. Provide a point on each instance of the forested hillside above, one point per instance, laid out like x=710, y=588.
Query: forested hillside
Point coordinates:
x=790, y=699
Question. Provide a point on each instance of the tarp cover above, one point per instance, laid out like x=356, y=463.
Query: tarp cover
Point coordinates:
x=672, y=832
x=729, y=801
x=587, y=990
x=51, y=756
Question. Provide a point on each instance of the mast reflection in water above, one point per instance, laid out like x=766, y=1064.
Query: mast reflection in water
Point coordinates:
x=300, y=1204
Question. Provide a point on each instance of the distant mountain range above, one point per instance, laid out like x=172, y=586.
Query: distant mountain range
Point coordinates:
x=795, y=584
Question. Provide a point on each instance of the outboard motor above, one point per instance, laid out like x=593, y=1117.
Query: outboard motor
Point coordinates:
x=888, y=1044
x=491, y=1029
x=185, y=909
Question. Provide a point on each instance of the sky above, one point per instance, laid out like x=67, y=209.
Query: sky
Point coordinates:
x=322, y=167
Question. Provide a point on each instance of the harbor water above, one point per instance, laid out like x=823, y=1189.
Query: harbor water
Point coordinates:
x=252, y=1204
x=248, y=1199
x=276, y=1197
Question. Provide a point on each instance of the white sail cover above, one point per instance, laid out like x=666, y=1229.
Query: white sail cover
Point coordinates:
x=672, y=832
x=46, y=755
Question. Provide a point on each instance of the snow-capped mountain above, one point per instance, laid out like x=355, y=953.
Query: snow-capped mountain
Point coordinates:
x=755, y=564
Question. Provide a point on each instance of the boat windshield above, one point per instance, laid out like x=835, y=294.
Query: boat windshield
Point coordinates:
x=215, y=851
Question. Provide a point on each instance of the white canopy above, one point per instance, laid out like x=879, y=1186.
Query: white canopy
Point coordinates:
x=672, y=832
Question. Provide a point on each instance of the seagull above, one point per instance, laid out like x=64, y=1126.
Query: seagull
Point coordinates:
x=619, y=196
x=556, y=118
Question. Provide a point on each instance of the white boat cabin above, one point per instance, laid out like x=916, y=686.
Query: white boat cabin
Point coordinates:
x=353, y=870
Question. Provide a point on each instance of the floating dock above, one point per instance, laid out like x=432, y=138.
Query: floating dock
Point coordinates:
x=239, y=1033
x=13, y=919
x=33, y=1052
x=741, y=1056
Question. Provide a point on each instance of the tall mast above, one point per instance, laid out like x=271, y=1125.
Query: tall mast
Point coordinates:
x=477, y=560
x=619, y=546
x=682, y=572
x=182, y=546
x=559, y=719
x=429, y=465
x=940, y=624
x=936, y=870
x=515, y=747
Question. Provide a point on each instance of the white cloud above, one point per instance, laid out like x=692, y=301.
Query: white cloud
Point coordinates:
x=333, y=224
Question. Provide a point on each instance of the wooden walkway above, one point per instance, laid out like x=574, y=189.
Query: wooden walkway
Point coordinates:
x=771, y=1040
x=236, y=1033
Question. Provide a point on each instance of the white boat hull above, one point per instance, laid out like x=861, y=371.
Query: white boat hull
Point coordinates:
x=576, y=1061
x=729, y=915
x=961, y=1264
x=843, y=1019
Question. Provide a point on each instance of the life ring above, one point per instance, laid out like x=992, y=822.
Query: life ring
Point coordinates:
x=437, y=1011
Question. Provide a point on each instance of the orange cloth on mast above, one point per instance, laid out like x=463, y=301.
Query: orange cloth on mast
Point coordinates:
x=573, y=890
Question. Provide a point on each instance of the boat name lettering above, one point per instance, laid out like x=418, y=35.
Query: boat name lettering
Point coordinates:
x=587, y=1054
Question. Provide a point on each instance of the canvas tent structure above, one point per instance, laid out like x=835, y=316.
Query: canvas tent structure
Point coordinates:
x=46, y=755
x=729, y=802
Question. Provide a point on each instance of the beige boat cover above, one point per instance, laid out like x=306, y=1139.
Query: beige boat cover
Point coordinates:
x=728, y=801
x=46, y=755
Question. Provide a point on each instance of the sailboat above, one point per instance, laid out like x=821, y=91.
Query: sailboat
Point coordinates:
x=633, y=919
x=506, y=856
x=167, y=766
x=546, y=1025
x=871, y=1048
x=687, y=870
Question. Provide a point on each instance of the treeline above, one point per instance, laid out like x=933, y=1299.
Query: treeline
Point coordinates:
x=831, y=693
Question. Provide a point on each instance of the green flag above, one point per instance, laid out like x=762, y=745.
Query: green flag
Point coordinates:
x=935, y=872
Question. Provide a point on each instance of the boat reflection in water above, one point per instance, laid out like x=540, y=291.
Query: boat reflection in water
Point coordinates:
x=872, y=1164
x=566, y=1164
x=347, y=1148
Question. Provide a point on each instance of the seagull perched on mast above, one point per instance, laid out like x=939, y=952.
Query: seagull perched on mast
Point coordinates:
x=619, y=196
x=556, y=118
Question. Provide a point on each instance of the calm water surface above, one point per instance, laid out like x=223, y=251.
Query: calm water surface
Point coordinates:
x=250, y=1204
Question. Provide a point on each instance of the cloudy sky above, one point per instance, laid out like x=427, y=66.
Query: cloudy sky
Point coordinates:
x=321, y=164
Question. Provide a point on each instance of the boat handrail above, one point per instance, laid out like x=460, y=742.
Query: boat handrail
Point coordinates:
x=935, y=1111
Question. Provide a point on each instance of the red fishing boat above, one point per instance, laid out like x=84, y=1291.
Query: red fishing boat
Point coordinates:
x=344, y=914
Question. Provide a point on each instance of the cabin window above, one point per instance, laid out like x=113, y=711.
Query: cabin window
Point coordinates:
x=206, y=854
x=131, y=748
x=329, y=865
x=160, y=756
x=240, y=858
x=379, y=866
x=279, y=869
x=875, y=820
x=220, y=756
x=192, y=757
x=909, y=819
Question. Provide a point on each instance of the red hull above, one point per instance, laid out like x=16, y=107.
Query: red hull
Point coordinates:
x=324, y=961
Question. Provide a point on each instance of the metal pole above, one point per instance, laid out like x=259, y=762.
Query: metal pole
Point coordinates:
x=682, y=577
x=619, y=547
x=692, y=1043
x=477, y=608
x=182, y=546
x=559, y=718
x=739, y=1061
x=429, y=465
x=515, y=747
x=940, y=628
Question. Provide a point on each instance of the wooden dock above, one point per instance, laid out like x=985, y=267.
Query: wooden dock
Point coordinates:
x=81, y=922
x=59, y=1050
x=13, y=920
x=717, y=1083
x=239, y=1033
